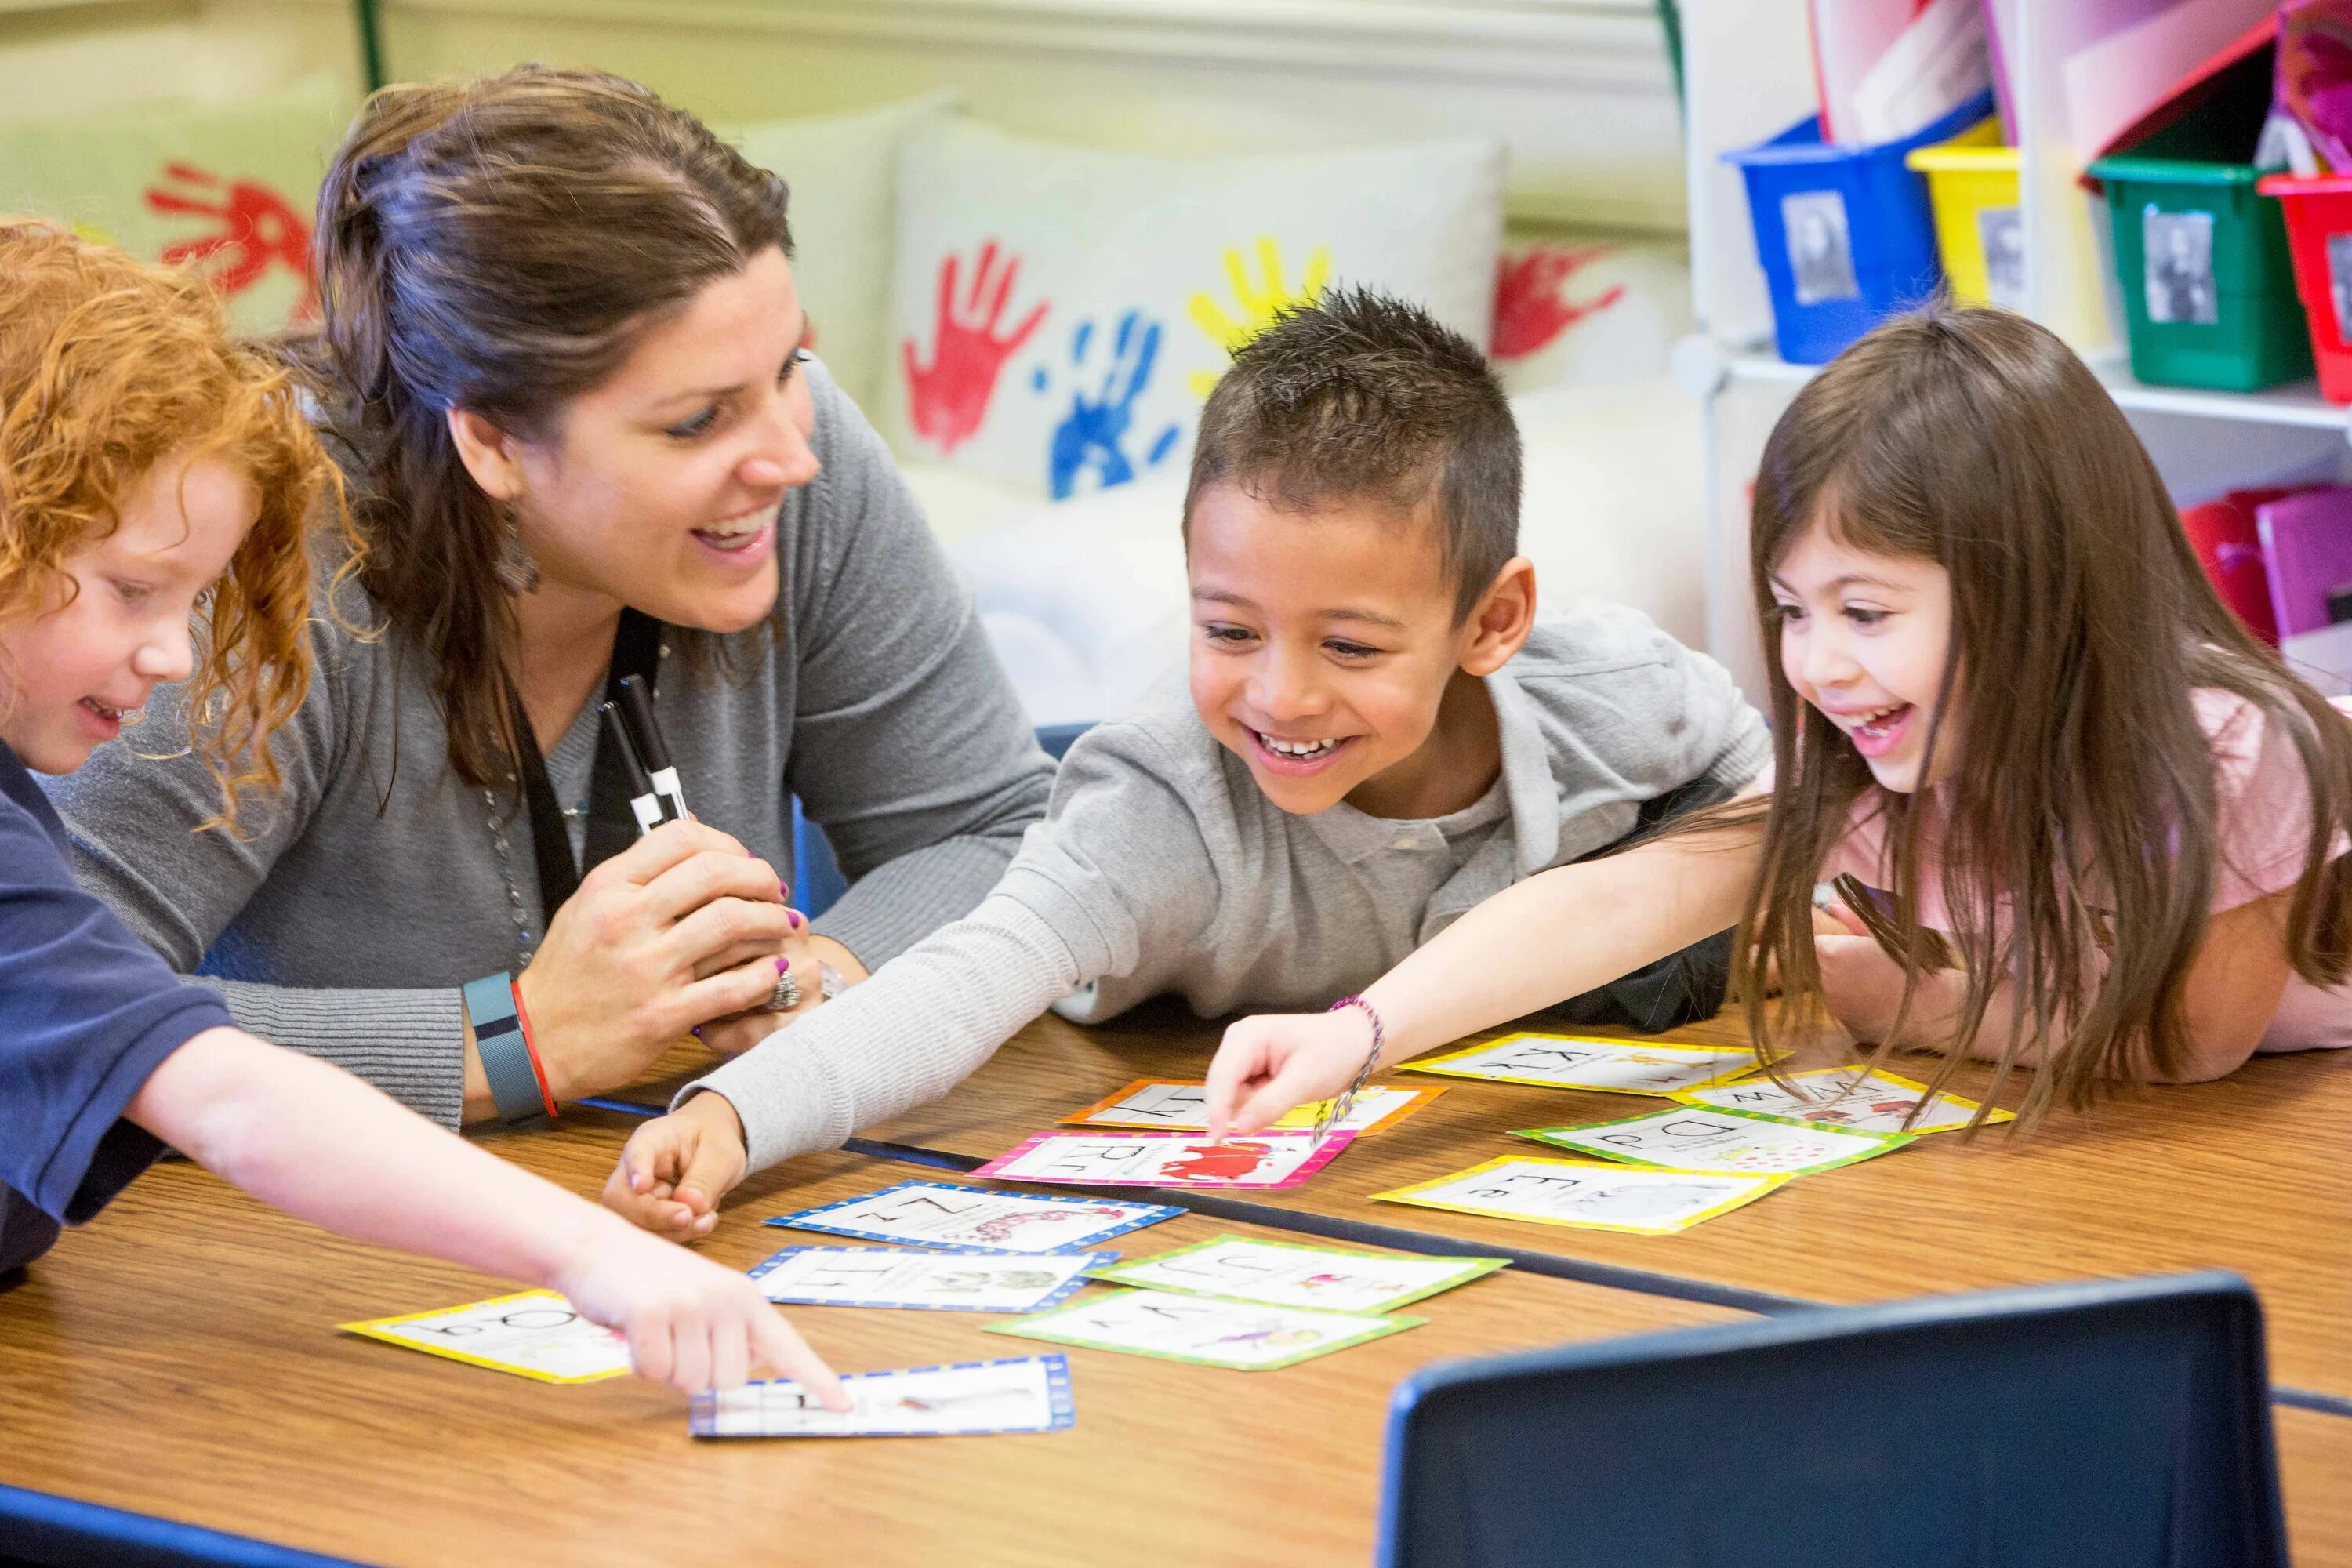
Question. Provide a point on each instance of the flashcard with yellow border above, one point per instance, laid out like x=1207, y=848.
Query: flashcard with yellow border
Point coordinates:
x=535, y=1334
x=1590, y=1195
x=1183, y=1107
x=1617, y=1067
x=1855, y=1098
x=1703, y=1138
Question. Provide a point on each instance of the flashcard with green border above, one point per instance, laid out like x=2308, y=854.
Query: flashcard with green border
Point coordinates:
x=1617, y=1067
x=1589, y=1194
x=535, y=1334
x=1857, y=1098
x=1287, y=1274
x=1208, y=1331
x=1702, y=1138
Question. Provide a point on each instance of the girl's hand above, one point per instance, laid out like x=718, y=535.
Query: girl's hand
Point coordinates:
x=1270, y=1065
x=689, y=1322
x=676, y=1168
x=680, y=928
x=1863, y=986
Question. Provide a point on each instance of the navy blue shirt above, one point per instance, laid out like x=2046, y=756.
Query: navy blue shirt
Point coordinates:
x=87, y=1013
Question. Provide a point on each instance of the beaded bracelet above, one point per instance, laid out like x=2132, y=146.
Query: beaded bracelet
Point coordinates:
x=1345, y=1100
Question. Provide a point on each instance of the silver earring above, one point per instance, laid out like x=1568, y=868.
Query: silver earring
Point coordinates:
x=518, y=573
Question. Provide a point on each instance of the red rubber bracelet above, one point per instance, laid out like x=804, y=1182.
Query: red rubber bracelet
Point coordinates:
x=530, y=1049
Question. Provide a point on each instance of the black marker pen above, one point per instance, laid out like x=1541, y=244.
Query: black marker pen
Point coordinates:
x=643, y=801
x=644, y=730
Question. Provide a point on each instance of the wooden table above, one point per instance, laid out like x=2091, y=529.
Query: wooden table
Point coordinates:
x=2251, y=1173
x=178, y=1358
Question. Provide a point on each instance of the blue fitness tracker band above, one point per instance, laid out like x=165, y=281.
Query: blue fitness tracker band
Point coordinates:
x=505, y=1056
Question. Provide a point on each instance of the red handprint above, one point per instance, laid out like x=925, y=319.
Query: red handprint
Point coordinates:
x=947, y=400
x=1217, y=1161
x=258, y=229
x=1529, y=310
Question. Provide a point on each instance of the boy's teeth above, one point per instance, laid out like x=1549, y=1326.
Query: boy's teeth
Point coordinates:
x=1297, y=748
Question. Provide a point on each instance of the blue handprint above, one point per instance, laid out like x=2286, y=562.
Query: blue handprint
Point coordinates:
x=1093, y=435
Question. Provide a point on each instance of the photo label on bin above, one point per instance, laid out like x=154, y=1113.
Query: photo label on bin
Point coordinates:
x=2001, y=231
x=2179, y=268
x=2339, y=284
x=1820, y=247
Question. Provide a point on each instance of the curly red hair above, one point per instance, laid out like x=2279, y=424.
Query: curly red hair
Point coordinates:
x=107, y=365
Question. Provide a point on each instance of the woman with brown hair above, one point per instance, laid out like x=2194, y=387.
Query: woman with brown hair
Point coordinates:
x=563, y=357
x=2102, y=830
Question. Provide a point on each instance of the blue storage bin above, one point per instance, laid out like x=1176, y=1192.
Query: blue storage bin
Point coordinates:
x=1846, y=235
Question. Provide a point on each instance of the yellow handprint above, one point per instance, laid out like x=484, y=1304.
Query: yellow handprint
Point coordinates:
x=1258, y=306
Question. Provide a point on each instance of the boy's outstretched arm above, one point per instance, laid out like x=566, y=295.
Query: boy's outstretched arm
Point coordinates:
x=317, y=1143
x=1564, y=932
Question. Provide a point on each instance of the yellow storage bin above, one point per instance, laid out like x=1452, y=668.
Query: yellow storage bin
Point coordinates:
x=1973, y=182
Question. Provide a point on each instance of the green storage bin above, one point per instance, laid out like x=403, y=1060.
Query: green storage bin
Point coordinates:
x=2208, y=284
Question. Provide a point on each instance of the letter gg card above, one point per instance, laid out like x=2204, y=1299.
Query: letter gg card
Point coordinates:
x=1286, y=1274
x=1243, y=1335
x=1184, y=1107
x=965, y=1281
x=973, y=1398
x=1166, y=1158
x=1586, y=1194
x=1618, y=1067
x=534, y=1334
x=1701, y=1137
x=1848, y=1097
x=962, y=1219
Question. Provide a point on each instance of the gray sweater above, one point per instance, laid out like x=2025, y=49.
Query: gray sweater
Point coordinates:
x=1161, y=868
x=357, y=902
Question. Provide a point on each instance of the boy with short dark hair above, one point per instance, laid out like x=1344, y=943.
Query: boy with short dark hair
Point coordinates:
x=1381, y=733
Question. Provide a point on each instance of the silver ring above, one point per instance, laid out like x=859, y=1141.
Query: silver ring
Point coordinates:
x=785, y=996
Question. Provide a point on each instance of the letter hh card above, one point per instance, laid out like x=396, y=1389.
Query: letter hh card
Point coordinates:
x=1850, y=1097
x=1246, y=1336
x=942, y=1214
x=534, y=1334
x=1286, y=1274
x=1701, y=1137
x=1586, y=1193
x=1021, y=1394
x=1618, y=1067
x=1166, y=1158
x=962, y=1281
x=1184, y=1107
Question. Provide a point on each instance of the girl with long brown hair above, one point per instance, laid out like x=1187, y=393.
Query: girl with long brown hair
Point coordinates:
x=2103, y=829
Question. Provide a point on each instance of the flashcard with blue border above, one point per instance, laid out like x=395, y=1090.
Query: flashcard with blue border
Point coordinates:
x=1616, y=1066
x=970, y=1399
x=1858, y=1098
x=1702, y=1138
x=1587, y=1194
x=535, y=1333
x=968, y=1219
x=967, y=1280
x=1287, y=1274
x=1208, y=1331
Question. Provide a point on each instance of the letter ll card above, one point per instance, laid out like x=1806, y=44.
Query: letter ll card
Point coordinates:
x=1848, y=1097
x=1620, y=1067
x=942, y=1214
x=1586, y=1193
x=1246, y=1336
x=1701, y=1137
x=1022, y=1393
x=1286, y=1274
x=1166, y=1158
x=535, y=1334
x=963, y=1281
x=1184, y=1107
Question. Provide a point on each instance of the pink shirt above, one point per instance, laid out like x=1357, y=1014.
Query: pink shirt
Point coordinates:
x=2263, y=815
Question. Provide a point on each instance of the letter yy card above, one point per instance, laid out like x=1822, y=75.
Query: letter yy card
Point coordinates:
x=968, y=1280
x=1166, y=1158
x=939, y=1214
x=1589, y=1193
x=1184, y=1107
x=1620, y=1067
x=1246, y=1336
x=1701, y=1137
x=1286, y=1274
x=534, y=1334
x=975, y=1398
x=1849, y=1097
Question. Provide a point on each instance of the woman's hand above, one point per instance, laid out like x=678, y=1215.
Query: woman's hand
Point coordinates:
x=674, y=1170
x=680, y=928
x=804, y=954
x=1269, y=1066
